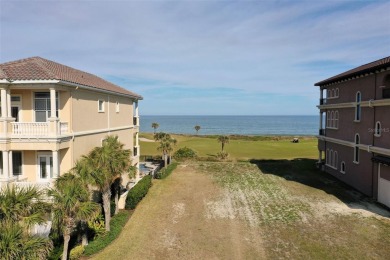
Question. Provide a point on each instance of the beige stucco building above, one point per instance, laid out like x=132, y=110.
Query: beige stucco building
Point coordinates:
x=52, y=114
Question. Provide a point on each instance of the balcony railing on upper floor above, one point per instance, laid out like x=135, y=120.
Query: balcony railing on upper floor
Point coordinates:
x=322, y=101
x=30, y=129
x=35, y=129
x=322, y=132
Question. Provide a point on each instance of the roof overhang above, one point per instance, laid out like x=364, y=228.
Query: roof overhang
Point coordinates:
x=67, y=83
x=381, y=159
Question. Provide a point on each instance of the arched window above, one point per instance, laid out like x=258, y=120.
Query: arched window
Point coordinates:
x=342, y=167
x=327, y=156
x=337, y=92
x=328, y=119
x=386, y=87
x=356, y=149
x=336, y=119
x=357, y=107
x=332, y=119
x=378, y=129
x=329, y=94
x=331, y=158
x=335, y=159
x=333, y=93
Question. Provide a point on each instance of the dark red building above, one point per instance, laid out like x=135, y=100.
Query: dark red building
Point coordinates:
x=354, y=135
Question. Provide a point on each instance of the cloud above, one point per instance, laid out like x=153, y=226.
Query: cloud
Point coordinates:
x=203, y=51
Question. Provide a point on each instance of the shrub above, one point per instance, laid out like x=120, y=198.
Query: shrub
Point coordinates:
x=97, y=226
x=222, y=155
x=76, y=252
x=185, y=153
x=166, y=171
x=117, y=223
x=139, y=191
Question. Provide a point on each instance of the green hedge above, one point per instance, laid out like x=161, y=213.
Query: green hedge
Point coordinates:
x=139, y=191
x=165, y=172
x=117, y=223
x=185, y=153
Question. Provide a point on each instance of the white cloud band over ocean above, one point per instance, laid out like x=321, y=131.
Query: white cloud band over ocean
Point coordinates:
x=203, y=57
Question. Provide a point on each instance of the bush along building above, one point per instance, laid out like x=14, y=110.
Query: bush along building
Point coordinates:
x=354, y=128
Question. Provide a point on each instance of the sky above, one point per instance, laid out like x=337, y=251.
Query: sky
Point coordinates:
x=203, y=57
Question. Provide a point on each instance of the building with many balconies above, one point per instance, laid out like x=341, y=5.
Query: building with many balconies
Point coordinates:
x=354, y=135
x=52, y=114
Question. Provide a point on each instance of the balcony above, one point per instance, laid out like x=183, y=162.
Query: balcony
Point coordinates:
x=36, y=129
x=322, y=101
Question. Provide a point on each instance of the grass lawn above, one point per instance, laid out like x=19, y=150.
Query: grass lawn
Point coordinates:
x=240, y=148
x=261, y=209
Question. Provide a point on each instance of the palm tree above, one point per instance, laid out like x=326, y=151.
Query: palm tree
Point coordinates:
x=166, y=145
x=155, y=126
x=23, y=205
x=71, y=205
x=197, y=128
x=103, y=166
x=223, y=139
x=16, y=243
x=20, y=208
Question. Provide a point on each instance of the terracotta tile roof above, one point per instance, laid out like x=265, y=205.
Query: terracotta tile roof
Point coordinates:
x=37, y=68
x=369, y=67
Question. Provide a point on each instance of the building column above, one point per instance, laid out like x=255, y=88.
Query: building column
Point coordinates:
x=136, y=139
x=320, y=157
x=9, y=114
x=3, y=96
x=53, y=113
x=5, y=174
x=320, y=120
x=10, y=165
x=55, y=165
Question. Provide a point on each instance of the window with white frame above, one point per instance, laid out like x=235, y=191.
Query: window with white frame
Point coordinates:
x=337, y=92
x=42, y=106
x=378, y=129
x=336, y=119
x=356, y=149
x=100, y=105
x=328, y=119
x=358, y=109
x=17, y=162
x=117, y=107
x=342, y=167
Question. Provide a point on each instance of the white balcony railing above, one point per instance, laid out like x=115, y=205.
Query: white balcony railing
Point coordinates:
x=30, y=129
x=36, y=128
x=63, y=128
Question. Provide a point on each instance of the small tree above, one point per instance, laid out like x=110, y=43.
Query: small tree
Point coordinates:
x=223, y=139
x=166, y=145
x=155, y=126
x=20, y=209
x=71, y=205
x=197, y=128
x=103, y=166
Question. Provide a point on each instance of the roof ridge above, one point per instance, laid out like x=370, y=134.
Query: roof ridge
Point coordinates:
x=39, y=61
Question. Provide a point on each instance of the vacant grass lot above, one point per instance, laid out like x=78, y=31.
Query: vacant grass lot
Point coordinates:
x=262, y=209
x=241, y=149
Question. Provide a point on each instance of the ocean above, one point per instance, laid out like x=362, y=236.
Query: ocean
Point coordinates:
x=229, y=125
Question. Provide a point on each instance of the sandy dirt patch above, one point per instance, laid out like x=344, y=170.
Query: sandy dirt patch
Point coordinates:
x=142, y=139
x=184, y=217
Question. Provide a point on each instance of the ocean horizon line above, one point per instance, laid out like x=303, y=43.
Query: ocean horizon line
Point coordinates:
x=228, y=115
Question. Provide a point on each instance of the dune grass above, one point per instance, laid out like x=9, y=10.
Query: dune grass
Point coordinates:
x=241, y=148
